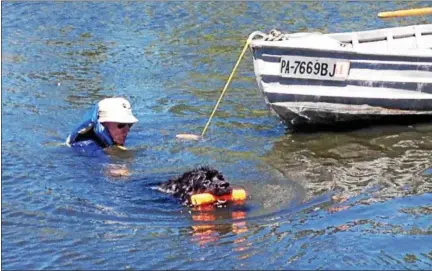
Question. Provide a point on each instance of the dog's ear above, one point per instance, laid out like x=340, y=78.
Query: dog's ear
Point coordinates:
x=201, y=177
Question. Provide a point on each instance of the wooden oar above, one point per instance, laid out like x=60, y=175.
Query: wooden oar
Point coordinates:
x=405, y=12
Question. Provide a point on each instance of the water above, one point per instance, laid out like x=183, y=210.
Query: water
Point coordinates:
x=357, y=199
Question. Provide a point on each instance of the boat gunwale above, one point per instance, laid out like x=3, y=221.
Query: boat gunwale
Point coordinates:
x=405, y=53
x=404, y=33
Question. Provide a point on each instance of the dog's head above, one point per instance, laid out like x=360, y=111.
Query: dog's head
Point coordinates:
x=200, y=180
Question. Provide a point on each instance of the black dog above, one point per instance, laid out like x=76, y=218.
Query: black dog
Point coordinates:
x=200, y=180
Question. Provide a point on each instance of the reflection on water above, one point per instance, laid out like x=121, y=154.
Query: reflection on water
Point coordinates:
x=394, y=158
x=208, y=229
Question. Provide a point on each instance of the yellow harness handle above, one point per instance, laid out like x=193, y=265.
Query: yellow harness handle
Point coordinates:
x=227, y=84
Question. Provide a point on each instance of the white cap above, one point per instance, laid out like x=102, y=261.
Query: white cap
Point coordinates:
x=115, y=110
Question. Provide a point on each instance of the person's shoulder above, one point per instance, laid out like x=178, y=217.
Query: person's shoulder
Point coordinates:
x=88, y=147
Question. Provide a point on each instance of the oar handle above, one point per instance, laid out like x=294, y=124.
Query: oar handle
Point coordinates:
x=227, y=84
x=405, y=12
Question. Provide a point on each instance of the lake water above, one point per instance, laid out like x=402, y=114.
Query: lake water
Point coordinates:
x=61, y=210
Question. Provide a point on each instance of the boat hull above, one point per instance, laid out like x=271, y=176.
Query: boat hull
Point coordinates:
x=390, y=77
x=303, y=113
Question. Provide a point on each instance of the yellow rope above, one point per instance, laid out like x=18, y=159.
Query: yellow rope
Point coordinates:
x=226, y=85
x=405, y=12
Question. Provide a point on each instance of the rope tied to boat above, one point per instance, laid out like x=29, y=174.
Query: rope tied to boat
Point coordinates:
x=246, y=46
x=276, y=35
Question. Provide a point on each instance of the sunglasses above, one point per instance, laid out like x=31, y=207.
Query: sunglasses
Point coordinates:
x=123, y=125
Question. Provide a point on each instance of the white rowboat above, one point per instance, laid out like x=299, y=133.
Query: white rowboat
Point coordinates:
x=314, y=78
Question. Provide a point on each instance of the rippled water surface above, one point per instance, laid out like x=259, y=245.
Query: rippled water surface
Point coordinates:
x=355, y=199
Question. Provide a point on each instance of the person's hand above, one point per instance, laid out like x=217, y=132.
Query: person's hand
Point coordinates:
x=114, y=170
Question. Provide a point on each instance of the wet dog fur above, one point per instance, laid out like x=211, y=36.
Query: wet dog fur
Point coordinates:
x=199, y=180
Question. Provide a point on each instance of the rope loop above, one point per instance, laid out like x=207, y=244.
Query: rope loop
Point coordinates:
x=276, y=35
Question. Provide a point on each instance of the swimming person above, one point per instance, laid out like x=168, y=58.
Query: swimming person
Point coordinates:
x=107, y=124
